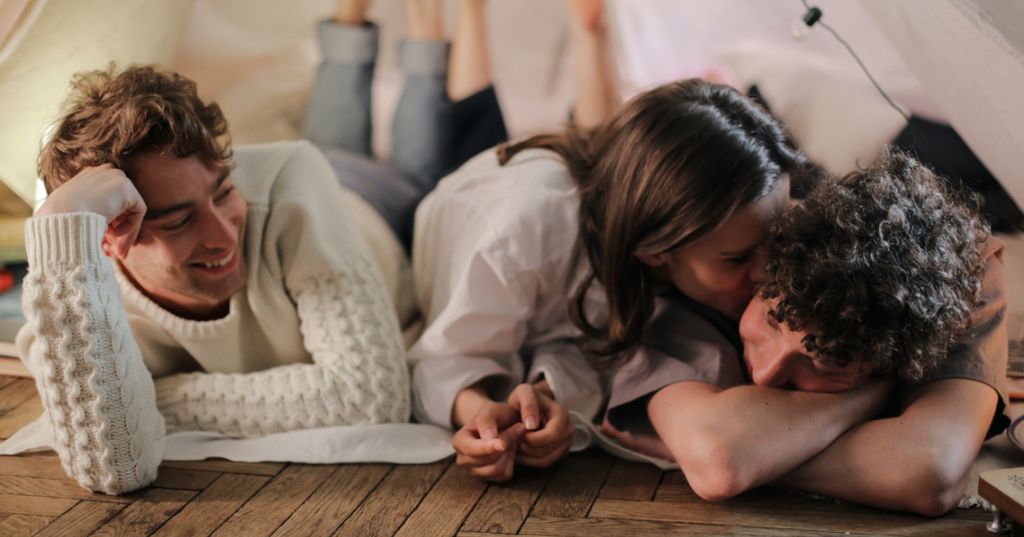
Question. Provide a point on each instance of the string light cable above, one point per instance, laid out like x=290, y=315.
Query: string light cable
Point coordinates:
x=813, y=16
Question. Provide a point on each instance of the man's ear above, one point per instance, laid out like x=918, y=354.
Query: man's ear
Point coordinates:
x=109, y=244
x=652, y=260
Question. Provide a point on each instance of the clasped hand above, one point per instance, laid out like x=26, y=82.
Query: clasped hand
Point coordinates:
x=530, y=429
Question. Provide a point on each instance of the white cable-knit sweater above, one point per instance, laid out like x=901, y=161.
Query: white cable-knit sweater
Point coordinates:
x=311, y=341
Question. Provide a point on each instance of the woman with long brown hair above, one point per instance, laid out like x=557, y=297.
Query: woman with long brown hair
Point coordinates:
x=545, y=258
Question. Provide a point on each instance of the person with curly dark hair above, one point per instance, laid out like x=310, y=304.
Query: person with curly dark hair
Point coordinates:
x=883, y=288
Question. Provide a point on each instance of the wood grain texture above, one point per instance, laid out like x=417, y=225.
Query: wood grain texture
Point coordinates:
x=574, y=485
x=17, y=504
x=147, y=514
x=446, y=505
x=588, y=493
x=56, y=488
x=397, y=496
x=213, y=506
x=180, y=478
x=629, y=480
x=340, y=494
x=16, y=418
x=673, y=477
x=504, y=506
x=82, y=519
x=29, y=466
x=16, y=392
x=228, y=467
x=18, y=525
x=275, y=502
x=755, y=514
x=589, y=527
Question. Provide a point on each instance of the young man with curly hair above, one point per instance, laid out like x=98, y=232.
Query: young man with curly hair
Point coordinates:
x=874, y=353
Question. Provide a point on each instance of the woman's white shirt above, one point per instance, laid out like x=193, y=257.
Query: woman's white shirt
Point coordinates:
x=493, y=262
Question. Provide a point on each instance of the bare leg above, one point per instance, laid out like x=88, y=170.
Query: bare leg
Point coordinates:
x=470, y=69
x=351, y=12
x=597, y=86
x=425, y=22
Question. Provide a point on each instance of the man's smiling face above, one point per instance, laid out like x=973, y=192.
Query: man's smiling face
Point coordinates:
x=189, y=255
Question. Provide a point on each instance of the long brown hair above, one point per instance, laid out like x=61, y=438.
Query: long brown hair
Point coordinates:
x=666, y=169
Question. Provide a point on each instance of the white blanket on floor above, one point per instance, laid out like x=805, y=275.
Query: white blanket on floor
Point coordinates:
x=402, y=443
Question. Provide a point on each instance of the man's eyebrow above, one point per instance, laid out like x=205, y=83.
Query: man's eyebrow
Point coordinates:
x=153, y=214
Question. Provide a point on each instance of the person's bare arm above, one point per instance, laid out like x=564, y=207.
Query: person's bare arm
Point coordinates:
x=918, y=461
x=728, y=441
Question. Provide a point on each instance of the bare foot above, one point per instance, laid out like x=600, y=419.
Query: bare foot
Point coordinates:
x=352, y=12
x=425, y=22
x=588, y=13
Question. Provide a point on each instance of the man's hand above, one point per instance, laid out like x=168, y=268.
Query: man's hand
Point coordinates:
x=488, y=443
x=645, y=444
x=548, y=428
x=106, y=191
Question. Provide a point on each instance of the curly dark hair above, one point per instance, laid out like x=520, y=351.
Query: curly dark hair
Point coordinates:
x=883, y=265
x=110, y=117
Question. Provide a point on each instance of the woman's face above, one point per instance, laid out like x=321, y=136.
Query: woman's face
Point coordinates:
x=721, y=269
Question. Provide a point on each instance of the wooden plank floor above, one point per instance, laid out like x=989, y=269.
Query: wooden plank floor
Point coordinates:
x=589, y=493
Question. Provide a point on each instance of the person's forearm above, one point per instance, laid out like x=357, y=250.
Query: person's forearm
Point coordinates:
x=355, y=380
x=918, y=461
x=727, y=441
x=79, y=346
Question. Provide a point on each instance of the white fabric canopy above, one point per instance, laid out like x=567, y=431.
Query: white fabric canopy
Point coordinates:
x=957, y=60
x=969, y=55
x=52, y=40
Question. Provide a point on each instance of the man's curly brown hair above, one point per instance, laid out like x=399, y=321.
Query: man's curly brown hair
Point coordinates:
x=110, y=117
x=882, y=266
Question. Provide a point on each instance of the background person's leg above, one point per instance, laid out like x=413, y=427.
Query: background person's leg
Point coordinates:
x=433, y=135
x=339, y=113
x=419, y=138
x=597, y=81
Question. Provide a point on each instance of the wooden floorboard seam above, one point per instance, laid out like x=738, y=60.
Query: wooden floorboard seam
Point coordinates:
x=425, y=494
x=368, y=496
x=166, y=520
x=253, y=495
x=598, y=495
x=471, y=509
x=529, y=511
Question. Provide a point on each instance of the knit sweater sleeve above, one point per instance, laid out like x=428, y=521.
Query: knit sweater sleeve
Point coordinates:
x=358, y=377
x=88, y=369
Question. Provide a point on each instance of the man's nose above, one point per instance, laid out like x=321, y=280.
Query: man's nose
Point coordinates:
x=773, y=371
x=219, y=231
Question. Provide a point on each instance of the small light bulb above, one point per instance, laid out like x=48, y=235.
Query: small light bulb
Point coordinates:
x=802, y=26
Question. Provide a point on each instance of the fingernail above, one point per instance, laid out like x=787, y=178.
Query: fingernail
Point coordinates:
x=487, y=434
x=531, y=423
x=498, y=446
